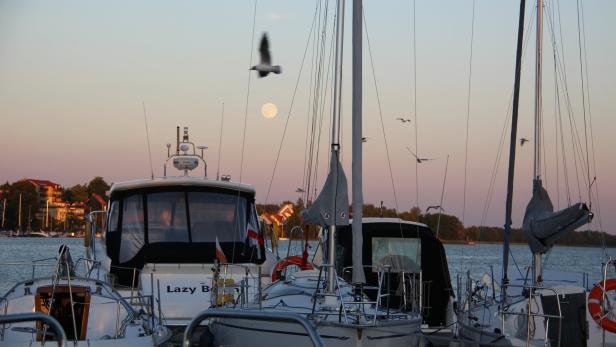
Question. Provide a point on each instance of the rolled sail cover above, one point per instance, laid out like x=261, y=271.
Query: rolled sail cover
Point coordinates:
x=543, y=227
x=332, y=205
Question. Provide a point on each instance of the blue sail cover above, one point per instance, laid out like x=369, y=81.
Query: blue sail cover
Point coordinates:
x=543, y=227
x=331, y=207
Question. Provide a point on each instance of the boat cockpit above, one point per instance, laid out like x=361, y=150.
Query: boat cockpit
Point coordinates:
x=179, y=220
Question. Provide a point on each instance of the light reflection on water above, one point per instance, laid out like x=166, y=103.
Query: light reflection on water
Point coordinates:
x=461, y=258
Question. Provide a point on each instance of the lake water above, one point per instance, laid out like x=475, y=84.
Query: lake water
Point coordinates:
x=461, y=258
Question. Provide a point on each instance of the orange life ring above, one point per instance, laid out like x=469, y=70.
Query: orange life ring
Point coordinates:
x=595, y=299
x=291, y=260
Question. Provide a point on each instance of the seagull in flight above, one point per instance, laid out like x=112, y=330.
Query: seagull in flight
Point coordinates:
x=404, y=120
x=419, y=160
x=523, y=141
x=265, y=66
x=365, y=139
x=436, y=207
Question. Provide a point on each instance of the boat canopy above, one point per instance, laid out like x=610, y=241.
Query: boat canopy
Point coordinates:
x=176, y=223
x=404, y=247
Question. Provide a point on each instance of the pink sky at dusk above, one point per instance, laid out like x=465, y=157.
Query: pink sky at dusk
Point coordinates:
x=73, y=76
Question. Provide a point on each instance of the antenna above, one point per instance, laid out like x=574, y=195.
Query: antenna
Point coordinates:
x=222, y=121
x=147, y=134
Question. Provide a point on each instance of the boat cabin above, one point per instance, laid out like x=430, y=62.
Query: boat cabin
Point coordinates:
x=179, y=220
x=406, y=249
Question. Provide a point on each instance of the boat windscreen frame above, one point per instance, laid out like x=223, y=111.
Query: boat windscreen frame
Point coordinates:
x=237, y=251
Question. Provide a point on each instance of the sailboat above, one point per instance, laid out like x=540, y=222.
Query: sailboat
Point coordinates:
x=550, y=307
x=340, y=311
x=90, y=312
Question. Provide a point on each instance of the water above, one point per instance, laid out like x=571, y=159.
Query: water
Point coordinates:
x=15, y=251
x=461, y=258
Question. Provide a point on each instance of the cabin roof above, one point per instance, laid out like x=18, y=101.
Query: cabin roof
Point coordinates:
x=180, y=181
x=389, y=220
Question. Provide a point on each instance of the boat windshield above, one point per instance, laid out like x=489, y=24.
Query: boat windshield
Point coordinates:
x=182, y=225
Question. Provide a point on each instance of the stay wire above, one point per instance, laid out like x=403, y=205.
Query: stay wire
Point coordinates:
x=378, y=99
x=468, y=115
x=237, y=201
x=286, y=124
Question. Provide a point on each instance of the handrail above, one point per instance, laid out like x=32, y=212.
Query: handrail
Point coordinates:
x=530, y=314
x=37, y=316
x=256, y=315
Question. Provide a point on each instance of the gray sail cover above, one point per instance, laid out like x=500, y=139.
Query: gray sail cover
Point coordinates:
x=543, y=227
x=332, y=205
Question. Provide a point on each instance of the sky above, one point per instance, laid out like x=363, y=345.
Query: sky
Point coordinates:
x=74, y=76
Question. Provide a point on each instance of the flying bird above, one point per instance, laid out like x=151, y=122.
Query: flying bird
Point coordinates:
x=523, y=141
x=419, y=160
x=265, y=66
x=365, y=139
x=436, y=207
x=404, y=120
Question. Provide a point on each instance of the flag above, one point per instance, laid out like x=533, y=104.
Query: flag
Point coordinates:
x=220, y=255
x=255, y=239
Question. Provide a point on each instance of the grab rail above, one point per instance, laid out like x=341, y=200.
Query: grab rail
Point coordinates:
x=257, y=315
x=37, y=316
x=531, y=289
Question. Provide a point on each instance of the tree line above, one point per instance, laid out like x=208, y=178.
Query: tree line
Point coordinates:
x=450, y=228
x=31, y=203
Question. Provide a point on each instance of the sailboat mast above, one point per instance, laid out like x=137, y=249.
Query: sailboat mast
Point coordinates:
x=512, y=147
x=538, y=126
x=331, y=249
x=356, y=166
x=538, y=102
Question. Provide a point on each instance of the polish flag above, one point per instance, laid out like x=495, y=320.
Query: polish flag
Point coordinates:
x=254, y=238
x=220, y=255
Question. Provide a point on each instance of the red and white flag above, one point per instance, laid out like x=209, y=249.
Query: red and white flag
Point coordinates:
x=254, y=238
x=220, y=255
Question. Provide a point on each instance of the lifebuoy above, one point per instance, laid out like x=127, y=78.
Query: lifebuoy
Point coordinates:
x=595, y=299
x=291, y=260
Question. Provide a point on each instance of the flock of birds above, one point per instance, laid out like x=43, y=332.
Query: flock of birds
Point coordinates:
x=265, y=67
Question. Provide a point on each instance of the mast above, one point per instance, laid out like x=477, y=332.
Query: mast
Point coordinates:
x=19, y=216
x=356, y=167
x=335, y=150
x=512, y=146
x=538, y=126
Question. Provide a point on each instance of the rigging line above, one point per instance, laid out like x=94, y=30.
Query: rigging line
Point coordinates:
x=310, y=123
x=378, y=99
x=468, y=114
x=147, y=134
x=584, y=102
x=550, y=17
x=222, y=121
x=319, y=90
x=286, y=124
x=237, y=201
x=328, y=70
x=415, y=102
x=499, y=151
x=592, y=141
x=306, y=148
x=254, y=19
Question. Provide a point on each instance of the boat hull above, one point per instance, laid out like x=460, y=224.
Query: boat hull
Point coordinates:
x=242, y=332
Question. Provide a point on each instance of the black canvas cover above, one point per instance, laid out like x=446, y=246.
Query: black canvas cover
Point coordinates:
x=434, y=266
x=574, y=326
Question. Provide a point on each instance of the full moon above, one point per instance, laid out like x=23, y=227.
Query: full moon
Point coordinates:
x=269, y=110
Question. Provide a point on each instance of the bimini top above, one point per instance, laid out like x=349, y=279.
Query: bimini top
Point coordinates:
x=191, y=181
